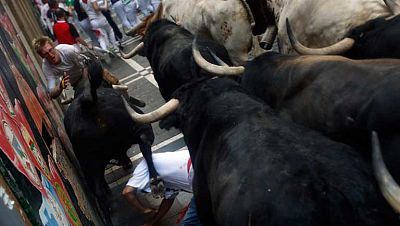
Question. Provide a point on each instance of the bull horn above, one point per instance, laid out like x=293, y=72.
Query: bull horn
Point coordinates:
x=155, y=115
x=120, y=87
x=133, y=31
x=334, y=49
x=212, y=68
x=389, y=188
x=219, y=61
x=133, y=52
x=175, y=21
x=393, y=6
x=172, y=18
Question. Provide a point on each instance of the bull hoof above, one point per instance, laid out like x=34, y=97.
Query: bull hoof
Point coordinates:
x=157, y=187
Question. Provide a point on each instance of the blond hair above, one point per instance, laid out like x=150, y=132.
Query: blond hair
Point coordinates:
x=38, y=43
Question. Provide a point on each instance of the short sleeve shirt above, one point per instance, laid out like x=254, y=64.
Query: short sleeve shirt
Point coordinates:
x=71, y=63
x=173, y=167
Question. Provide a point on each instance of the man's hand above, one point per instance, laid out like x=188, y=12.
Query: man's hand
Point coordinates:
x=64, y=81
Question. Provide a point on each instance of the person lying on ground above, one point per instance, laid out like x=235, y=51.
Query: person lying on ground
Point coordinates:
x=176, y=170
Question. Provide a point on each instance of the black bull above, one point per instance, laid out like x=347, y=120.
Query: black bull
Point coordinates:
x=169, y=51
x=252, y=168
x=100, y=129
x=345, y=99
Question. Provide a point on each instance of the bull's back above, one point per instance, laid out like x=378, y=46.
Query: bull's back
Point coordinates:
x=253, y=167
x=261, y=169
x=227, y=22
x=320, y=92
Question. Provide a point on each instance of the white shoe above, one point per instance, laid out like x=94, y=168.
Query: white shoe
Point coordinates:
x=115, y=50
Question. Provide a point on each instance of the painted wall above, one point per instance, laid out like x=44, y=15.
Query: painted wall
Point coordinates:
x=35, y=153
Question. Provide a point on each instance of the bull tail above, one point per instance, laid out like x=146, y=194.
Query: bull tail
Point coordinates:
x=95, y=74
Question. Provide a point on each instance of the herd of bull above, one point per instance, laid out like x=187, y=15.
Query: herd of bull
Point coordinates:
x=284, y=139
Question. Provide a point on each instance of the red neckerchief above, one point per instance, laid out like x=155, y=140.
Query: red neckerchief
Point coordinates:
x=189, y=164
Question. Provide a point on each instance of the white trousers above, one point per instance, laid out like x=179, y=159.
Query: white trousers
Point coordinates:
x=119, y=9
x=100, y=23
x=145, y=7
x=87, y=28
x=131, y=13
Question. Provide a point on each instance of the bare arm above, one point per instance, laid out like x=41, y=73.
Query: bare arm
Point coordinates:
x=100, y=8
x=130, y=194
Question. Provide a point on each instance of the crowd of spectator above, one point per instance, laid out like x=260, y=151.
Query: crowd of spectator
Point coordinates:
x=65, y=21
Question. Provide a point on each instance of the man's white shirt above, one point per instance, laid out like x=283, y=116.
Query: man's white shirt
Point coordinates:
x=172, y=168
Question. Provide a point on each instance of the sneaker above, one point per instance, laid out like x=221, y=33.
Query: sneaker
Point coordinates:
x=115, y=50
x=112, y=52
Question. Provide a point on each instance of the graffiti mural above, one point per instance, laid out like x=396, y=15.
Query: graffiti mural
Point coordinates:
x=29, y=123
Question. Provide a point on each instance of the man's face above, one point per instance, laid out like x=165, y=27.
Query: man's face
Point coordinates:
x=50, y=54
